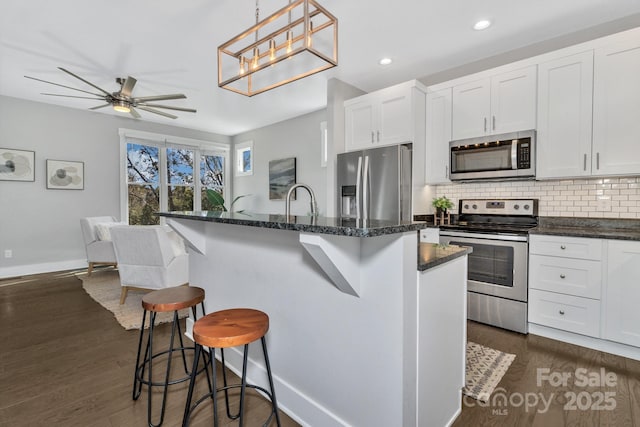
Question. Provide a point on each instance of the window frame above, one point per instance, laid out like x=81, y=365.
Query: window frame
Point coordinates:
x=240, y=148
x=199, y=147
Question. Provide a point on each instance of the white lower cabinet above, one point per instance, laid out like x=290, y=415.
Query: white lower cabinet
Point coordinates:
x=586, y=286
x=622, y=298
x=565, y=283
x=566, y=312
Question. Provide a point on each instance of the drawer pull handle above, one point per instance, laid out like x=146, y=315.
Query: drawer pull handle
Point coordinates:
x=563, y=247
x=562, y=276
x=561, y=312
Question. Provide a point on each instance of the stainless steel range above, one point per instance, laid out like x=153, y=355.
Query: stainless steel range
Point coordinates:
x=498, y=231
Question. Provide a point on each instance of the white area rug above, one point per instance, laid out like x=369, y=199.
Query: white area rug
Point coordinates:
x=484, y=369
x=104, y=287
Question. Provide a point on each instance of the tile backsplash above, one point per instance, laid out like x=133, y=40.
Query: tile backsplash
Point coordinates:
x=594, y=198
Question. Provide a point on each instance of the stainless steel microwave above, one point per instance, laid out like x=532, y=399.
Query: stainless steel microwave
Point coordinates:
x=506, y=156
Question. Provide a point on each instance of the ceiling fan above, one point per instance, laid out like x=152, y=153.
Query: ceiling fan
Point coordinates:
x=122, y=100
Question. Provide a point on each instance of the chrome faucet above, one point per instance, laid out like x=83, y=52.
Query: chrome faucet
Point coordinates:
x=314, y=207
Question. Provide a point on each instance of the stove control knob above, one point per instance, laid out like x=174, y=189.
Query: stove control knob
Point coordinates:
x=475, y=206
x=516, y=207
x=526, y=207
x=466, y=206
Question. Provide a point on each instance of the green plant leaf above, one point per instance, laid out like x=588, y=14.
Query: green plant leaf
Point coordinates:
x=216, y=199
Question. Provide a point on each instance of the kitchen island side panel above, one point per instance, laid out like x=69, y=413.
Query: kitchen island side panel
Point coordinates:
x=337, y=359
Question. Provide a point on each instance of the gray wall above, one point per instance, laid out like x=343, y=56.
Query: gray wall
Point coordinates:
x=298, y=137
x=42, y=226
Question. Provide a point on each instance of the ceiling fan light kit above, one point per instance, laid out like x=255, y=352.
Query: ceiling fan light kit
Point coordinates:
x=295, y=42
x=122, y=100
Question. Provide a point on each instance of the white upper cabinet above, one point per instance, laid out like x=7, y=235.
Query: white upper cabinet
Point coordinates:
x=564, y=116
x=622, y=317
x=616, y=109
x=383, y=117
x=502, y=103
x=438, y=136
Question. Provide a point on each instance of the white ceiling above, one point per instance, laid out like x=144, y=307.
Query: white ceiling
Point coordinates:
x=170, y=46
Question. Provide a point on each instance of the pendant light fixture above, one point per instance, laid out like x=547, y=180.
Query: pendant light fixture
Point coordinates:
x=297, y=41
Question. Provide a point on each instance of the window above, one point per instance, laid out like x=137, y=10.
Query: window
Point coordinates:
x=163, y=175
x=244, y=158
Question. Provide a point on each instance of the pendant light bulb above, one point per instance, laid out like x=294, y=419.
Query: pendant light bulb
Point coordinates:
x=272, y=50
x=309, y=34
x=242, y=65
x=256, y=58
x=289, y=41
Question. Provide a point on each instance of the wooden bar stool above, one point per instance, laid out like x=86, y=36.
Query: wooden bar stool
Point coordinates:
x=223, y=329
x=164, y=300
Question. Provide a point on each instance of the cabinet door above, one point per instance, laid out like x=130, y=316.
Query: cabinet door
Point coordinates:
x=438, y=136
x=359, y=125
x=565, y=89
x=470, y=113
x=513, y=101
x=622, y=317
x=394, y=117
x=616, y=110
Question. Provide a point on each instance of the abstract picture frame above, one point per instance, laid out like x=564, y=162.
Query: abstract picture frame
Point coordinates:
x=65, y=175
x=17, y=165
x=282, y=175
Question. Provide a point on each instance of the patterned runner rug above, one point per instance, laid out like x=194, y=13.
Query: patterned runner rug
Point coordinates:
x=484, y=369
x=104, y=287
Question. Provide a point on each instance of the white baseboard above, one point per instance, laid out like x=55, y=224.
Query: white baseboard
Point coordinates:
x=308, y=411
x=585, y=341
x=47, y=267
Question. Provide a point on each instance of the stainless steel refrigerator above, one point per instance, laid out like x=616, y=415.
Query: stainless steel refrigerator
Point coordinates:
x=375, y=184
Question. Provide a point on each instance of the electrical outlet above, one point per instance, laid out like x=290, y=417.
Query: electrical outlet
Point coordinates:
x=8, y=253
x=604, y=204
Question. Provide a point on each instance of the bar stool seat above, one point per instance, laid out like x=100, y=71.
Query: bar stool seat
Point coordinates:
x=224, y=329
x=164, y=300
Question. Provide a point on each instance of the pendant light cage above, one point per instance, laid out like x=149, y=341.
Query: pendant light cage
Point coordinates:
x=295, y=42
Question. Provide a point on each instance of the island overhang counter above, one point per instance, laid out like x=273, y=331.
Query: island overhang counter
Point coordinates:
x=358, y=336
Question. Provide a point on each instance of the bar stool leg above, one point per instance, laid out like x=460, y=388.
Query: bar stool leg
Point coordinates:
x=136, y=393
x=187, y=407
x=273, y=390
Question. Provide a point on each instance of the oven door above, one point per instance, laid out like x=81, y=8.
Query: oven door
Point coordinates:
x=498, y=264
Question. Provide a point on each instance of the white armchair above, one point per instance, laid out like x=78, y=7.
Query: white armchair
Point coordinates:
x=149, y=257
x=98, y=244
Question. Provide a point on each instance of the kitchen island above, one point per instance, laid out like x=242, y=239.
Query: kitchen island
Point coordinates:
x=358, y=335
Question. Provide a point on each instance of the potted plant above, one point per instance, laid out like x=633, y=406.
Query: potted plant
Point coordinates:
x=216, y=201
x=442, y=205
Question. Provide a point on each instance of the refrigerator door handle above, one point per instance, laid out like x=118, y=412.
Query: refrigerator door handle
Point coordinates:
x=365, y=189
x=358, y=186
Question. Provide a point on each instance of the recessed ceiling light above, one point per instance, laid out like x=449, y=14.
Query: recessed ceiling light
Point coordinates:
x=482, y=25
x=385, y=61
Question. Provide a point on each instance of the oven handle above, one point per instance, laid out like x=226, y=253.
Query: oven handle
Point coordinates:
x=497, y=236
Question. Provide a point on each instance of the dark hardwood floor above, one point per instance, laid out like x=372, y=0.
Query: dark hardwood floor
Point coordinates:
x=65, y=361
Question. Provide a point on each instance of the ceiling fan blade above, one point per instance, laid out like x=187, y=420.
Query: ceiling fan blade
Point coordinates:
x=134, y=113
x=73, y=96
x=162, y=113
x=159, y=97
x=99, y=106
x=68, y=87
x=188, y=110
x=86, y=81
x=127, y=87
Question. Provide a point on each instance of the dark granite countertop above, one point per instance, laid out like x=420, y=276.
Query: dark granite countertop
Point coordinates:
x=320, y=224
x=597, y=228
x=432, y=254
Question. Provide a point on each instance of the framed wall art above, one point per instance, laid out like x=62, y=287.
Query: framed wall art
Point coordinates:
x=282, y=175
x=65, y=175
x=17, y=165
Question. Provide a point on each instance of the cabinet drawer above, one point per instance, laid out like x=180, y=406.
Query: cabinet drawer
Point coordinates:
x=569, y=313
x=569, y=247
x=578, y=277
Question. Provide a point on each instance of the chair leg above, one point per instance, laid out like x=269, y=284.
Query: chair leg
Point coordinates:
x=90, y=269
x=123, y=294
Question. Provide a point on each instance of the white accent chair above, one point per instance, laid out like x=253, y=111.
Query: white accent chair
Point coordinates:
x=149, y=257
x=99, y=247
